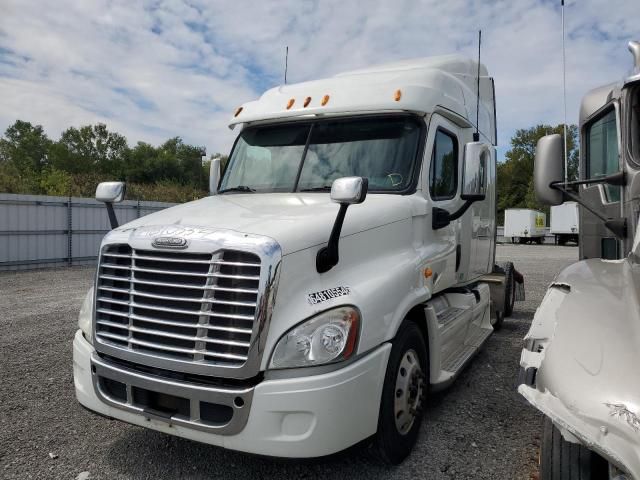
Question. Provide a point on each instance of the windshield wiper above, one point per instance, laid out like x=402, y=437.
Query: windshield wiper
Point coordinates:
x=324, y=188
x=239, y=188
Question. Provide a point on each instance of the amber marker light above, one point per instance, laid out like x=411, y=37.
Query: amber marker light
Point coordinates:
x=353, y=335
x=398, y=95
x=325, y=100
x=428, y=272
x=290, y=103
x=307, y=101
x=238, y=110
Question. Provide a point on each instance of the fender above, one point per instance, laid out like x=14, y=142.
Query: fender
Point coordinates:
x=580, y=362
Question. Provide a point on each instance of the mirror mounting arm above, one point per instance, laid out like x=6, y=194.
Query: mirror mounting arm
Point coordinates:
x=618, y=179
x=618, y=226
x=328, y=256
x=461, y=211
x=441, y=218
x=113, y=220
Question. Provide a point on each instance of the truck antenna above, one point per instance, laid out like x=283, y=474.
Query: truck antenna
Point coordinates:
x=476, y=135
x=286, y=63
x=564, y=98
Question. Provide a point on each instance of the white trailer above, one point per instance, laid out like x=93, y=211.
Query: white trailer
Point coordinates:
x=522, y=225
x=565, y=223
x=270, y=319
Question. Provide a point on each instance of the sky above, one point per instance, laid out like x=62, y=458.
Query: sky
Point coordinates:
x=152, y=70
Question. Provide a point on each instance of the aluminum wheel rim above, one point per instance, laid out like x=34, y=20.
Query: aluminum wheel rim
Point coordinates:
x=408, y=392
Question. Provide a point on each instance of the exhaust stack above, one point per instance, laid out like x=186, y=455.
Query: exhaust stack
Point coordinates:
x=634, y=48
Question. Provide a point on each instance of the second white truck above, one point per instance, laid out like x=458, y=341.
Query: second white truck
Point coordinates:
x=342, y=269
x=522, y=225
x=564, y=222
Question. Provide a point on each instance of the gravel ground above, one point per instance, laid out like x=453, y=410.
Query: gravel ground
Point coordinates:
x=479, y=428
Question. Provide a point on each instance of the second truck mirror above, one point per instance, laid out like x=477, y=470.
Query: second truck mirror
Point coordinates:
x=474, y=171
x=548, y=169
x=214, y=176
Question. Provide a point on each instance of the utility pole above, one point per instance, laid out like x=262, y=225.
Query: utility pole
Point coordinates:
x=564, y=99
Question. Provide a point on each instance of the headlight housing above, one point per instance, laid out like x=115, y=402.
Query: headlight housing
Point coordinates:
x=86, y=314
x=330, y=336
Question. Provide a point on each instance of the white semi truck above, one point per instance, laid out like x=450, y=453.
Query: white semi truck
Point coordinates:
x=523, y=225
x=579, y=365
x=342, y=268
x=565, y=222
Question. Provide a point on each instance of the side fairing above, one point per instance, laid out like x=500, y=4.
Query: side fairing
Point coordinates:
x=581, y=357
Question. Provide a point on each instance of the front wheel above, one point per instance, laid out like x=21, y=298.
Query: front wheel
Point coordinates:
x=560, y=460
x=403, y=395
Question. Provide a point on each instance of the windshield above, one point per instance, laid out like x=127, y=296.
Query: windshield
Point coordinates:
x=310, y=156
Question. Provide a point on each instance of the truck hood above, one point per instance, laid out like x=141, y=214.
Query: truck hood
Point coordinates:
x=295, y=220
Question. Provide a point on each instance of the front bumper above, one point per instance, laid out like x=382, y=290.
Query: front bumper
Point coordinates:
x=292, y=417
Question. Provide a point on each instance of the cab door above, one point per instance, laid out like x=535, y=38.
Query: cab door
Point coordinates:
x=441, y=184
x=600, y=157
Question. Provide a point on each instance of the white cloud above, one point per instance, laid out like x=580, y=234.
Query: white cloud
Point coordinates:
x=164, y=68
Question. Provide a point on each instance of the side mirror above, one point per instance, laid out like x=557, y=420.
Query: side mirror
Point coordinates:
x=214, y=176
x=474, y=171
x=547, y=169
x=110, y=193
x=477, y=156
x=345, y=191
x=349, y=190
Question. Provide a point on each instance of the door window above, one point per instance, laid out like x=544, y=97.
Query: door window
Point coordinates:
x=443, y=173
x=602, y=151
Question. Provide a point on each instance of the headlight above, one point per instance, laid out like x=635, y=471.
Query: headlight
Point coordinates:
x=86, y=314
x=328, y=337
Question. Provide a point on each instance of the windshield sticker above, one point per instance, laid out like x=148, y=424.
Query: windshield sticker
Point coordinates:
x=329, y=294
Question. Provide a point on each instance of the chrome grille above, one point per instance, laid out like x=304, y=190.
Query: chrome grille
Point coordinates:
x=180, y=306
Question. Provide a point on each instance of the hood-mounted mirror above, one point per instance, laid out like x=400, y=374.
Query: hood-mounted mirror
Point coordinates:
x=110, y=193
x=345, y=191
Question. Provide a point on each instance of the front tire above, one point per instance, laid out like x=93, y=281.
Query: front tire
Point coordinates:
x=403, y=395
x=562, y=460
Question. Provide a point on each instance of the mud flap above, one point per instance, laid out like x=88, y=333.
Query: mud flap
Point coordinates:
x=519, y=284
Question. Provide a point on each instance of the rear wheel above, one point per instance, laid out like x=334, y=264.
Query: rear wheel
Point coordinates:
x=403, y=395
x=561, y=460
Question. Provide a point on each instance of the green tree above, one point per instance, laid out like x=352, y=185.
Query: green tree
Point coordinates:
x=90, y=148
x=515, y=175
x=25, y=146
x=140, y=163
x=30, y=163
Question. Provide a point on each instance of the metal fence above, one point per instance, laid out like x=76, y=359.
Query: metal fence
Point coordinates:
x=39, y=231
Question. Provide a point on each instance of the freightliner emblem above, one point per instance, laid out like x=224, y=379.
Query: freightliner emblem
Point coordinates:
x=169, y=242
